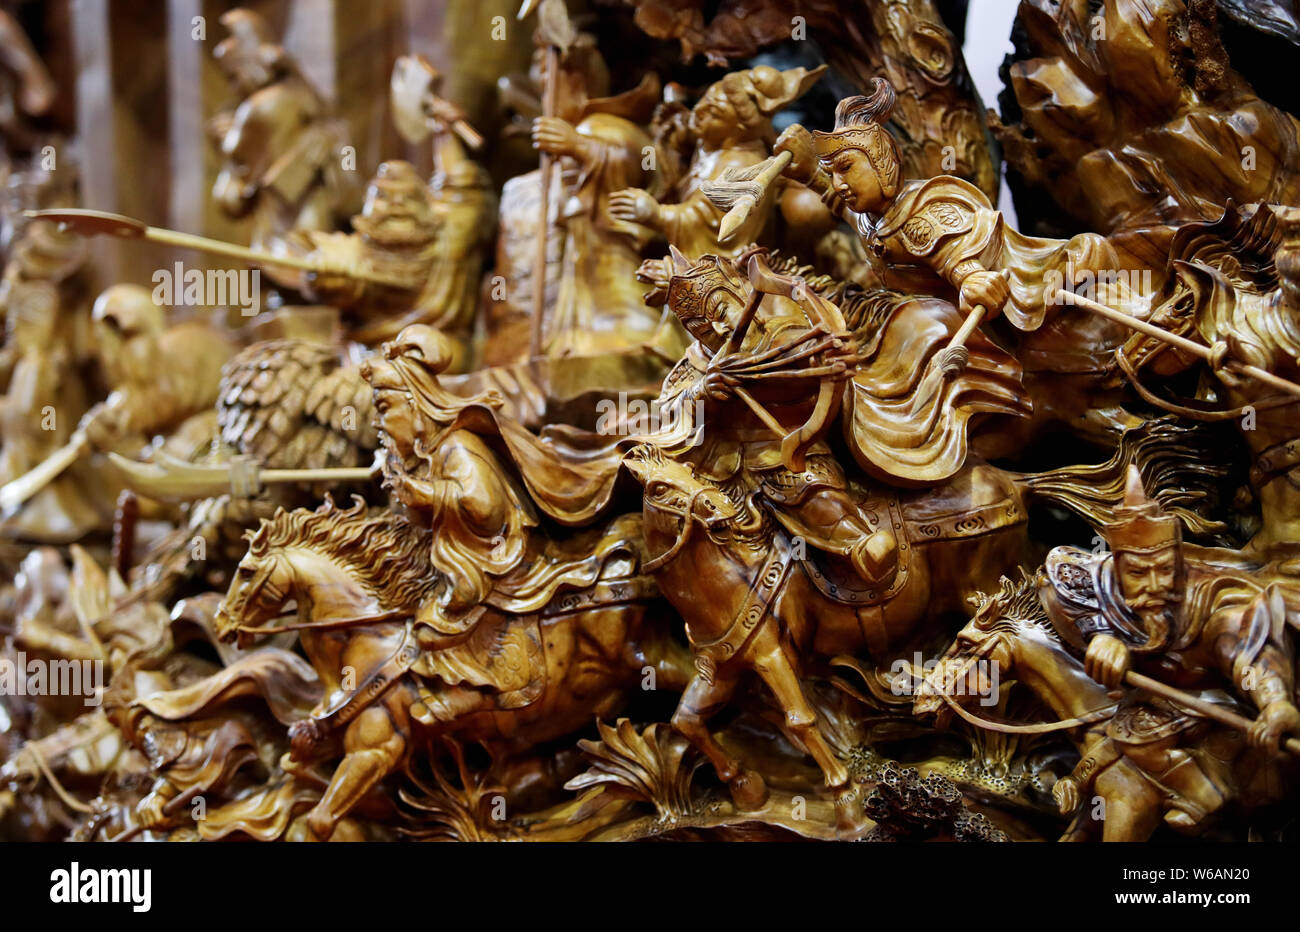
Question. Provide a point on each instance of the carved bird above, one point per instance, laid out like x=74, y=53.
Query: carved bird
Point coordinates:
x=294, y=405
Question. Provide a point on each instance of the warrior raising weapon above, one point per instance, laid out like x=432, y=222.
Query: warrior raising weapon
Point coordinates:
x=279, y=144
x=1184, y=614
x=941, y=236
x=732, y=127
x=412, y=259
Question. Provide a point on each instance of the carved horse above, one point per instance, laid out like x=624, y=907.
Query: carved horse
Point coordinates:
x=1128, y=746
x=752, y=602
x=1223, y=292
x=358, y=580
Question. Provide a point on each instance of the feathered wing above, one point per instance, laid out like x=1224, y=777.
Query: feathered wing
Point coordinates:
x=294, y=405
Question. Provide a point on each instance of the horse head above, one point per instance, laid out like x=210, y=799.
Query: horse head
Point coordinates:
x=986, y=644
x=676, y=493
x=262, y=584
x=349, y=563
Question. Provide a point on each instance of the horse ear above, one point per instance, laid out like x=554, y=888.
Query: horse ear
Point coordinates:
x=680, y=263
x=260, y=536
x=637, y=462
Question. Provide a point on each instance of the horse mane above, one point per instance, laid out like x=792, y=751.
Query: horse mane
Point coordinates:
x=1240, y=245
x=1015, y=603
x=391, y=553
x=864, y=309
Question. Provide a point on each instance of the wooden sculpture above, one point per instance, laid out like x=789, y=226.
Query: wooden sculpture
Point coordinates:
x=766, y=482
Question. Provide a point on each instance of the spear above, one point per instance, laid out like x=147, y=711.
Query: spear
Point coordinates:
x=556, y=33
x=739, y=192
x=1181, y=342
x=1208, y=709
x=102, y=223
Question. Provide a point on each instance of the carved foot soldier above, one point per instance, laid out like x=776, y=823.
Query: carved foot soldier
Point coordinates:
x=1181, y=614
x=732, y=129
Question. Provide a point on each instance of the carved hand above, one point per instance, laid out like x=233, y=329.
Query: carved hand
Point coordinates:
x=1277, y=719
x=1107, y=661
x=303, y=736
x=632, y=205
x=105, y=425
x=444, y=112
x=803, y=160
x=556, y=136
x=1066, y=794
x=987, y=288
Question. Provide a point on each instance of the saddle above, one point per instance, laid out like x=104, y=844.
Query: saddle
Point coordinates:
x=920, y=518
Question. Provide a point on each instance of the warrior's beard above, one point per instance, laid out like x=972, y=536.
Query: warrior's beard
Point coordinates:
x=387, y=232
x=1156, y=617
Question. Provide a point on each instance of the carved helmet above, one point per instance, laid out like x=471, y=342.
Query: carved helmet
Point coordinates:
x=757, y=93
x=1141, y=525
x=689, y=291
x=859, y=124
x=128, y=309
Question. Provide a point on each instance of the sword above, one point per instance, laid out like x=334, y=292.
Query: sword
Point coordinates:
x=169, y=479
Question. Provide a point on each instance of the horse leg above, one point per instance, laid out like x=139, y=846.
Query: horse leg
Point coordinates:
x=701, y=699
x=770, y=662
x=373, y=748
x=671, y=661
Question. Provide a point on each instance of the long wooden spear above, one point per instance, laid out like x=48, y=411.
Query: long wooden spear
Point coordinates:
x=555, y=32
x=1174, y=339
x=102, y=223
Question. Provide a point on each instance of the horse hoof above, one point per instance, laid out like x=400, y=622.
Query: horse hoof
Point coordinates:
x=748, y=791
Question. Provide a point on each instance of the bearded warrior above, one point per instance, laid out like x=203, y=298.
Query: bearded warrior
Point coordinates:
x=1193, y=617
x=412, y=259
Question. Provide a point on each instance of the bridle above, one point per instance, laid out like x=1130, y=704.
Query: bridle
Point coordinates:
x=687, y=519
x=1011, y=728
x=262, y=582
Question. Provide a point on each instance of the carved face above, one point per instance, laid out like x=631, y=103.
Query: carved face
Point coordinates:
x=396, y=216
x=258, y=593
x=1149, y=583
x=708, y=305
x=713, y=119
x=853, y=176
x=397, y=421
